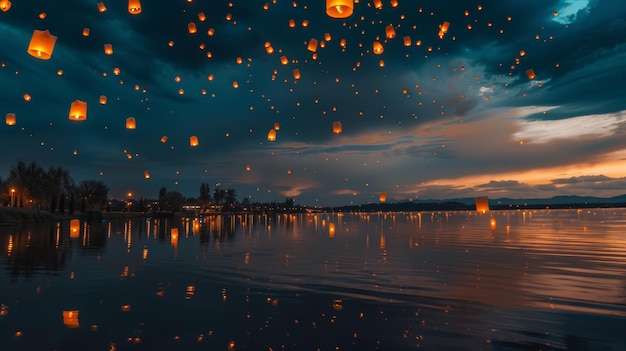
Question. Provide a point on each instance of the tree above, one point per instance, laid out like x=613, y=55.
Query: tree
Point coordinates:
x=93, y=192
x=205, y=195
x=173, y=201
x=230, y=198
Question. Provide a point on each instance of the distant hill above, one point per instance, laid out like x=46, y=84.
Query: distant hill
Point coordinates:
x=494, y=204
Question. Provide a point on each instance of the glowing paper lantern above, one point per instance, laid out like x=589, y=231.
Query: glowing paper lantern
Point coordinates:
x=5, y=5
x=134, y=7
x=331, y=229
x=41, y=44
x=131, y=123
x=193, y=141
x=407, y=40
x=74, y=228
x=164, y=139
x=70, y=319
x=101, y=7
x=78, y=111
x=482, y=204
x=174, y=237
x=292, y=23
x=191, y=27
x=378, y=4
x=382, y=197
x=27, y=97
x=443, y=29
x=378, y=48
x=146, y=174
x=390, y=32
x=103, y=100
x=284, y=60
x=271, y=135
x=276, y=126
x=339, y=8
x=201, y=16
x=337, y=127
x=296, y=74
x=10, y=119
x=530, y=73
x=108, y=49
x=85, y=32
x=312, y=46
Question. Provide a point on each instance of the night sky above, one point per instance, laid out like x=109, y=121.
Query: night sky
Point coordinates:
x=456, y=116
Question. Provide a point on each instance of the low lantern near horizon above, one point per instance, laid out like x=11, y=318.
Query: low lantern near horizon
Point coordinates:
x=193, y=141
x=174, y=237
x=5, y=5
x=70, y=319
x=382, y=197
x=482, y=204
x=131, y=123
x=74, y=228
x=339, y=8
x=41, y=44
x=78, y=111
x=10, y=119
x=134, y=7
x=337, y=127
x=271, y=135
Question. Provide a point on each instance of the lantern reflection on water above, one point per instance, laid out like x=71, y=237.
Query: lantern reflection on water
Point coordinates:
x=74, y=228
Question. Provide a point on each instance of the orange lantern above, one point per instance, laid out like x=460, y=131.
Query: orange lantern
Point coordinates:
x=108, y=49
x=271, y=135
x=482, y=204
x=378, y=48
x=191, y=28
x=312, y=47
x=74, y=228
x=174, y=237
x=164, y=139
x=5, y=5
x=378, y=4
x=342, y=43
x=337, y=127
x=101, y=7
x=531, y=74
x=85, y=32
x=292, y=23
x=339, y=8
x=131, y=123
x=27, y=97
x=146, y=174
x=235, y=84
x=210, y=32
x=10, y=119
x=390, y=32
x=41, y=44
x=201, y=16
x=407, y=40
x=193, y=141
x=284, y=60
x=103, y=100
x=296, y=74
x=276, y=126
x=134, y=7
x=382, y=197
x=78, y=111
x=70, y=319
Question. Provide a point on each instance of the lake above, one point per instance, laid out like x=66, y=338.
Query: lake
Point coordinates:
x=504, y=280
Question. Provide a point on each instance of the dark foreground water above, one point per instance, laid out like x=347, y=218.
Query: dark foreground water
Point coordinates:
x=533, y=280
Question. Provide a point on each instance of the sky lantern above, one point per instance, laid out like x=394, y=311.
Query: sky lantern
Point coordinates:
x=210, y=32
x=27, y=97
x=482, y=204
x=382, y=197
x=406, y=40
x=193, y=141
x=390, y=32
x=5, y=5
x=201, y=16
x=235, y=84
x=378, y=48
x=276, y=126
x=10, y=119
x=86, y=32
x=191, y=27
x=394, y=3
x=101, y=7
x=108, y=49
x=312, y=46
x=103, y=100
x=174, y=237
x=134, y=7
x=530, y=73
x=74, y=228
x=296, y=74
x=443, y=29
x=164, y=139
x=131, y=123
x=70, y=319
x=271, y=135
x=342, y=43
x=337, y=127
x=41, y=44
x=339, y=8
x=146, y=174
x=292, y=23
x=268, y=48
x=116, y=71
x=284, y=60
x=78, y=111
x=378, y=4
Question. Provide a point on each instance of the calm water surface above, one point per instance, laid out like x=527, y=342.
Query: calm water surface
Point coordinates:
x=506, y=280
